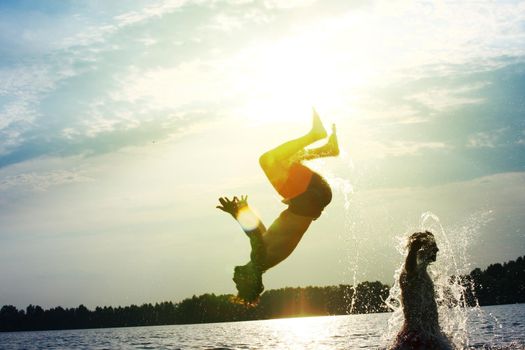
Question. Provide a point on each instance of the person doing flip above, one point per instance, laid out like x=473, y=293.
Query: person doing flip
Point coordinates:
x=304, y=191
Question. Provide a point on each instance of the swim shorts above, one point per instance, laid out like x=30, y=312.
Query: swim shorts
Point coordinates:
x=312, y=201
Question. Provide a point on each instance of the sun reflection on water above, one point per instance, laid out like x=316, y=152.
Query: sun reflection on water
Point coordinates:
x=301, y=332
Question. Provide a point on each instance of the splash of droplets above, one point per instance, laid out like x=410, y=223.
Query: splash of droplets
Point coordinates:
x=351, y=240
x=452, y=262
x=348, y=235
x=345, y=187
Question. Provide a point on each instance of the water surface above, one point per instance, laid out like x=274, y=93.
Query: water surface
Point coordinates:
x=495, y=327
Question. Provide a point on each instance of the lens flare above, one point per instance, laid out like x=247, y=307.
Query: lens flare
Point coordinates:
x=247, y=219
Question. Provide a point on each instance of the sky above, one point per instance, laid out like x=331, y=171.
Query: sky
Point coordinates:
x=122, y=122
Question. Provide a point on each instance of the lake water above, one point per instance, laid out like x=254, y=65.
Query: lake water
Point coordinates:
x=494, y=327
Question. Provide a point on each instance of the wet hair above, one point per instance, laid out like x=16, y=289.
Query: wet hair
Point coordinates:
x=425, y=237
x=248, y=281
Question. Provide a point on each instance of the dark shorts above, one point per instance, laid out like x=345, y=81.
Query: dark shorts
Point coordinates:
x=312, y=202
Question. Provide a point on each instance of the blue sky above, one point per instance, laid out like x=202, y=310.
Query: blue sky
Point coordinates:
x=122, y=122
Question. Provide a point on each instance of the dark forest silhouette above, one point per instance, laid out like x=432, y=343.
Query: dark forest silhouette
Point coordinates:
x=497, y=284
x=205, y=308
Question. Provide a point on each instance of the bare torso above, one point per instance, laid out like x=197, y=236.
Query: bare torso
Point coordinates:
x=419, y=303
x=421, y=327
x=283, y=235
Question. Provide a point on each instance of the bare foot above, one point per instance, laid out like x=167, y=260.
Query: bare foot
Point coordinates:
x=330, y=148
x=318, y=132
x=332, y=143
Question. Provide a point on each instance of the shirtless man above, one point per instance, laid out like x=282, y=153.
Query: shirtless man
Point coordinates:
x=305, y=192
x=421, y=327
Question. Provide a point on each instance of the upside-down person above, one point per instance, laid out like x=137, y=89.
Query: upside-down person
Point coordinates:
x=304, y=191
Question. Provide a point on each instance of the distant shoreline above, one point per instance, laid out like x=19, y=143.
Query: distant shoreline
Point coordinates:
x=498, y=284
x=218, y=322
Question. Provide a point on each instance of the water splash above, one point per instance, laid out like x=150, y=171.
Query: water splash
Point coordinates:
x=351, y=241
x=452, y=262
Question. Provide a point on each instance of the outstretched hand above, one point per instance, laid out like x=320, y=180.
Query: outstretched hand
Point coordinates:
x=232, y=206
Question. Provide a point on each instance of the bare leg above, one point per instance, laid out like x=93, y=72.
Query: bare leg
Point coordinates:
x=279, y=162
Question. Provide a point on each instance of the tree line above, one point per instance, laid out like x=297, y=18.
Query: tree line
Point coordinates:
x=497, y=284
x=206, y=308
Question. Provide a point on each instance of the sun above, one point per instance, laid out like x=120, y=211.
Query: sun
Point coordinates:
x=282, y=81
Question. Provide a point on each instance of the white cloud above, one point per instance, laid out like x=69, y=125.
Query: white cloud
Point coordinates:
x=287, y=4
x=485, y=139
x=23, y=86
x=375, y=111
x=149, y=12
x=21, y=80
x=170, y=88
x=323, y=60
x=14, y=112
x=147, y=41
x=401, y=148
x=226, y=22
x=41, y=181
x=443, y=99
x=27, y=83
x=230, y=22
x=86, y=40
x=521, y=141
x=411, y=40
x=330, y=58
x=101, y=118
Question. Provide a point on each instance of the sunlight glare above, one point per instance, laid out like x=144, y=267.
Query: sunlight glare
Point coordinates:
x=283, y=81
x=247, y=219
x=302, y=331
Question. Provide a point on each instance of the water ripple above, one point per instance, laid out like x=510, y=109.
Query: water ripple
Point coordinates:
x=333, y=333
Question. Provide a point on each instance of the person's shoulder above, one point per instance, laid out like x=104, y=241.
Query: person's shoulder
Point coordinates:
x=413, y=274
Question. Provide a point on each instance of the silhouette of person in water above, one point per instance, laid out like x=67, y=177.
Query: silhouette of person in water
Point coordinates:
x=305, y=192
x=421, y=326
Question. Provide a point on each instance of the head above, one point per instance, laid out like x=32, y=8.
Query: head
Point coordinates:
x=248, y=281
x=427, y=247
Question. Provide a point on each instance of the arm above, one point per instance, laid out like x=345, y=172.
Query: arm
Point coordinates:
x=250, y=223
x=242, y=213
x=411, y=260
